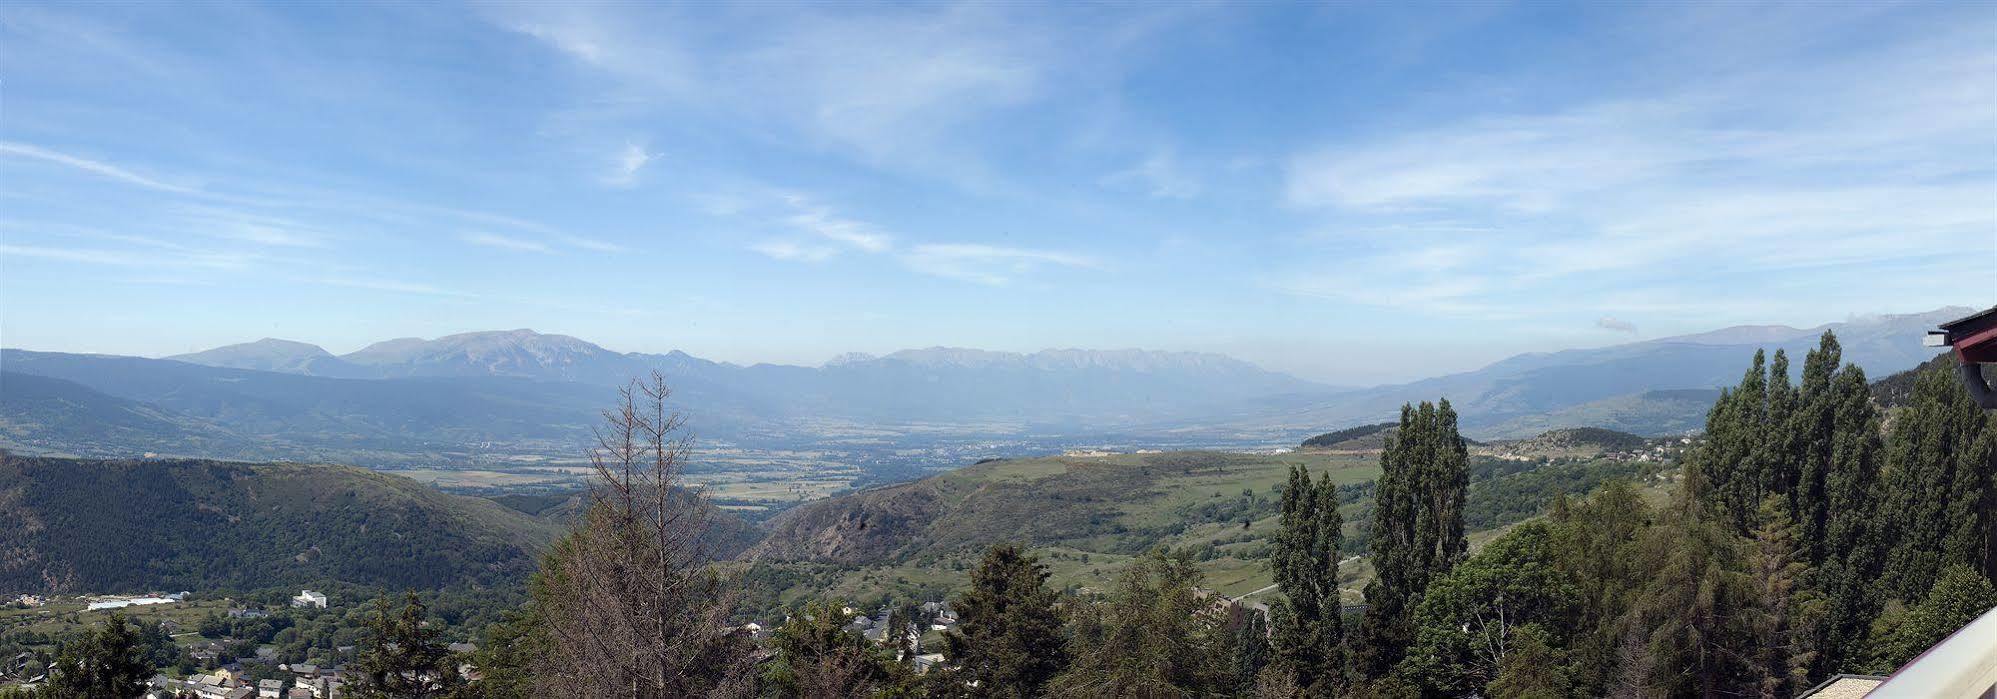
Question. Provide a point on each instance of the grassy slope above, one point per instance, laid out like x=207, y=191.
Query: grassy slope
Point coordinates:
x=1085, y=518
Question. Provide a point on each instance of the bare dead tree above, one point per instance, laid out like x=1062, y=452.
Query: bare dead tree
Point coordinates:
x=627, y=608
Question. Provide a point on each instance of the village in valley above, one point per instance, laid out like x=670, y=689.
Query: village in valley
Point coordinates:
x=235, y=649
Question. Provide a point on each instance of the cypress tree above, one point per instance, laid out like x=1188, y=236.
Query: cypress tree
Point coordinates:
x=1777, y=460
x=1417, y=529
x=1854, y=552
x=1309, y=627
x=1809, y=435
x=1938, y=479
x=1251, y=651
x=1735, y=443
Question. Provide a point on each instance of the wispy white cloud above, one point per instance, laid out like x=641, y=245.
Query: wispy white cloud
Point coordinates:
x=830, y=234
x=95, y=167
x=1159, y=176
x=132, y=258
x=987, y=264
x=391, y=285
x=248, y=227
x=788, y=250
x=1867, y=159
x=624, y=169
x=591, y=244
x=822, y=222
x=891, y=87
x=492, y=240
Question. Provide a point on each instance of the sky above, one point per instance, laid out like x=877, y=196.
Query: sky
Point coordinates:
x=1353, y=193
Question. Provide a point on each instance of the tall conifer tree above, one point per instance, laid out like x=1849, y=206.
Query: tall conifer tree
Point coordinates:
x=1309, y=628
x=1417, y=529
x=1854, y=550
x=1011, y=634
x=1939, y=464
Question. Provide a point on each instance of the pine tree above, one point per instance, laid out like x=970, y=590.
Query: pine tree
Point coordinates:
x=1532, y=670
x=1154, y=636
x=1696, y=609
x=817, y=656
x=1784, y=610
x=1417, y=529
x=624, y=604
x=1309, y=625
x=1009, y=633
x=1598, y=541
x=107, y=663
x=402, y=658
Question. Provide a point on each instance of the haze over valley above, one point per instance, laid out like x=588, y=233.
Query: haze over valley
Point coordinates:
x=512, y=410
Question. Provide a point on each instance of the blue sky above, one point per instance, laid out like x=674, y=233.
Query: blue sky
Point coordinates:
x=1353, y=193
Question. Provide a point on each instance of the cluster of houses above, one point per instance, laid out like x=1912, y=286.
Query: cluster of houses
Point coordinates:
x=931, y=616
x=306, y=682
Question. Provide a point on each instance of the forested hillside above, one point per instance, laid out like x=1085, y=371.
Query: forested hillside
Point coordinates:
x=104, y=526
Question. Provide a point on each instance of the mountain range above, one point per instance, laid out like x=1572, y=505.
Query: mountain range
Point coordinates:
x=412, y=398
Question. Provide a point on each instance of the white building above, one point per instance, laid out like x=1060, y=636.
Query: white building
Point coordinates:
x=308, y=598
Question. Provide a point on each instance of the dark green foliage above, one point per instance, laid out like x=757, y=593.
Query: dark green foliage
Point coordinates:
x=402, y=657
x=1154, y=636
x=1531, y=669
x=1854, y=547
x=1897, y=390
x=1694, y=614
x=1598, y=541
x=1503, y=492
x=816, y=656
x=505, y=653
x=1469, y=620
x=1330, y=438
x=109, y=663
x=1417, y=532
x=1939, y=464
x=1732, y=456
x=1009, y=633
x=1784, y=612
x=1812, y=429
x=1309, y=625
x=79, y=525
x=1251, y=650
x=1960, y=594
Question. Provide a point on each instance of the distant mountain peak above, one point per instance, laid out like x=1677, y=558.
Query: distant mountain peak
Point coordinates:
x=850, y=358
x=267, y=354
x=264, y=345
